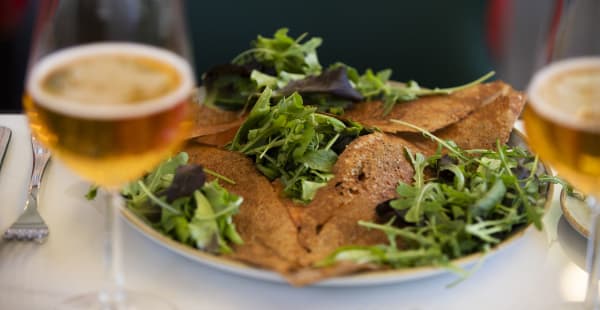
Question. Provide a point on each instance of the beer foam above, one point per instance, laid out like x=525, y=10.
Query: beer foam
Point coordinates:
x=114, y=104
x=568, y=92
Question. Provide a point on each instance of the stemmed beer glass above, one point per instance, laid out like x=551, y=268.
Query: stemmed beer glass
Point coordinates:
x=562, y=118
x=108, y=93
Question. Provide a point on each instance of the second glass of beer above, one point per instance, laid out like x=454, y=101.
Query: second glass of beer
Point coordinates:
x=562, y=118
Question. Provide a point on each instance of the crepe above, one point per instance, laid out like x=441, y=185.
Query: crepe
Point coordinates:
x=492, y=122
x=214, y=126
x=366, y=174
x=430, y=113
x=481, y=129
x=270, y=236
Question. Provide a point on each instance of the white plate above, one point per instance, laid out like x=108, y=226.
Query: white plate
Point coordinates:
x=360, y=279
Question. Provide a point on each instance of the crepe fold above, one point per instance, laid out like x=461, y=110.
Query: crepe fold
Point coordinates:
x=214, y=126
x=366, y=174
x=482, y=129
x=430, y=113
x=290, y=238
x=269, y=234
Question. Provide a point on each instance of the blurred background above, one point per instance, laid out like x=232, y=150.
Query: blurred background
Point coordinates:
x=435, y=42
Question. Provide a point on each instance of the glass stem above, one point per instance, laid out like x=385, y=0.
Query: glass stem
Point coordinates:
x=112, y=295
x=592, y=256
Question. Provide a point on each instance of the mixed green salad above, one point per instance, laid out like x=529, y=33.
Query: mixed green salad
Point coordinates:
x=291, y=142
x=288, y=65
x=176, y=200
x=460, y=202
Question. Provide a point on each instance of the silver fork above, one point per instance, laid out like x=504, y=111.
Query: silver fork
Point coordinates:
x=30, y=226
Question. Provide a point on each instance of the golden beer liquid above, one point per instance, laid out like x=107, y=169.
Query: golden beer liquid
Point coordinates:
x=572, y=152
x=109, y=148
x=562, y=123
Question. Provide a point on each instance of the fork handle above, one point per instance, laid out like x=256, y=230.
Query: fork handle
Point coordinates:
x=40, y=159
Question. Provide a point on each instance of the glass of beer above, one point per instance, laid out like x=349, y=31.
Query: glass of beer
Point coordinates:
x=562, y=118
x=108, y=92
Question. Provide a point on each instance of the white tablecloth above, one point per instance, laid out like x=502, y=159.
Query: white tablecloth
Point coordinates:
x=539, y=271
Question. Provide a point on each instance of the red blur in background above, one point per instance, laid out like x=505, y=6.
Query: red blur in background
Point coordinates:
x=11, y=14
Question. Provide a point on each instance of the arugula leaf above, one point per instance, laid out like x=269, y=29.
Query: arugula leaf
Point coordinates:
x=203, y=228
x=321, y=160
x=280, y=81
x=176, y=224
x=225, y=205
x=491, y=198
x=309, y=188
x=259, y=111
x=292, y=142
x=264, y=80
x=92, y=192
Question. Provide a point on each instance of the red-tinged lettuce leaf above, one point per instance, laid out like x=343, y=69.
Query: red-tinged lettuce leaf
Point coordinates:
x=187, y=179
x=333, y=82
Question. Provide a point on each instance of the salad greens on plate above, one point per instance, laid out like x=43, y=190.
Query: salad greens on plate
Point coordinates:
x=176, y=199
x=293, y=143
x=289, y=65
x=460, y=202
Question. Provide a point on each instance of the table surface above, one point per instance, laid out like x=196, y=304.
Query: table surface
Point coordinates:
x=542, y=270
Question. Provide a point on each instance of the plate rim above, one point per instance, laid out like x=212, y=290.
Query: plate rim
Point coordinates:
x=578, y=226
x=377, y=277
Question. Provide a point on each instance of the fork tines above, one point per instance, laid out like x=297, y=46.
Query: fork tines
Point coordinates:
x=26, y=232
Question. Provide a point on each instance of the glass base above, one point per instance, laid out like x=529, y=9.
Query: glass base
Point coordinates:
x=125, y=300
